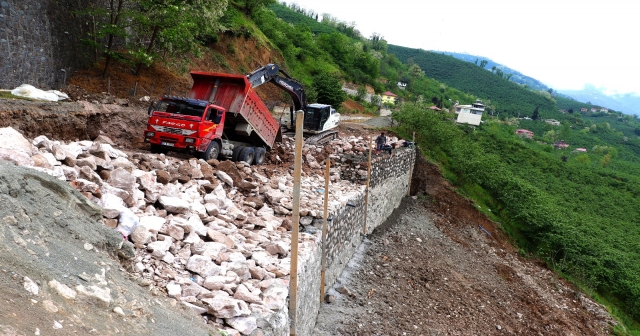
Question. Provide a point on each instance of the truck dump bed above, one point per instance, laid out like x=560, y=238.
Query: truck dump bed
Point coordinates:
x=244, y=107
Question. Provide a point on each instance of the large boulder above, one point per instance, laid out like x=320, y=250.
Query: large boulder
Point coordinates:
x=174, y=204
x=230, y=169
x=17, y=157
x=121, y=178
x=275, y=297
x=13, y=140
x=226, y=307
x=202, y=265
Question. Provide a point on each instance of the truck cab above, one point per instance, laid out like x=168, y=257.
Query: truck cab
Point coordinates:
x=184, y=125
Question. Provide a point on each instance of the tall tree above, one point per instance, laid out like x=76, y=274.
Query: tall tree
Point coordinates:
x=415, y=72
x=535, y=113
x=329, y=89
x=176, y=24
x=250, y=6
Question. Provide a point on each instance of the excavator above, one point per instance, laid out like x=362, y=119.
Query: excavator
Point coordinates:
x=320, y=120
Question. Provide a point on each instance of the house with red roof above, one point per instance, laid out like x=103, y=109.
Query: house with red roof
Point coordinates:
x=561, y=145
x=389, y=97
x=524, y=133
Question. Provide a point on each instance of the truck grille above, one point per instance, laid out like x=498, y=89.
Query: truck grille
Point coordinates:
x=173, y=130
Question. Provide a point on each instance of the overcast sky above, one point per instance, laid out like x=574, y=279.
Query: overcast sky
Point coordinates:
x=564, y=44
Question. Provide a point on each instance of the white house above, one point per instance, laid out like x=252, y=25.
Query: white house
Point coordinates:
x=470, y=114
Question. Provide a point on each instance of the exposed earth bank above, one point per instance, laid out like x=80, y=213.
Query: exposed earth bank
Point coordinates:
x=432, y=270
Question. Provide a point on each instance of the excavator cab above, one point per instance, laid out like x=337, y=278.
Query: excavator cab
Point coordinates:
x=315, y=116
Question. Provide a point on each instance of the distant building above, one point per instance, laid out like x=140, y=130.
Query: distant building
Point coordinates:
x=584, y=109
x=524, y=133
x=561, y=145
x=606, y=110
x=389, y=97
x=552, y=122
x=435, y=108
x=470, y=114
x=594, y=109
x=563, y=111
x=581, y=150
x=402, y=85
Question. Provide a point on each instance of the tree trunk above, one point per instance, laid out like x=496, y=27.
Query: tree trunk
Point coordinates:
x=154, y=36
x=115, y=17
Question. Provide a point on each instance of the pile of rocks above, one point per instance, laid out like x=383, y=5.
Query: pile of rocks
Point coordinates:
x=214, y=235
x=348, y=157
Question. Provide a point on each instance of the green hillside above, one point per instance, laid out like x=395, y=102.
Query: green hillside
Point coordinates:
x=505, y=96
x=578, y=211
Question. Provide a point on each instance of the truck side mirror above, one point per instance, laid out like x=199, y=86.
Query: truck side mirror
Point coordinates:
x=150, y=110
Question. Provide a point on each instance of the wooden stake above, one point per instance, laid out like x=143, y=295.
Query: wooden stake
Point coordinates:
x=413, y=140
x=366, y=199
x=324, y=227
x=293, y=282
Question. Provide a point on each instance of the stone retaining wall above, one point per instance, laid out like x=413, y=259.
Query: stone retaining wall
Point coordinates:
x=389, y=184
x=39, y=39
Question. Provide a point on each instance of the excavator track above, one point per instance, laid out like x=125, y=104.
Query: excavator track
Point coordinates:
x=315, y=139
x=322, y=138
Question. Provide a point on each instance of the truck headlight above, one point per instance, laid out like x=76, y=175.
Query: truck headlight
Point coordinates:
x=150, y=134
x=189, y=140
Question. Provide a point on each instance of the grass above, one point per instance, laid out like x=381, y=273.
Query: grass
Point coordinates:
x=8, y=95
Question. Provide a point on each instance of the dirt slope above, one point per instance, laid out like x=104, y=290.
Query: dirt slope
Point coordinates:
x=431, y=270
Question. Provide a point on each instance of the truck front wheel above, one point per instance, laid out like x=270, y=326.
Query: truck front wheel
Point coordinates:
x=212, y=151
x=157, y=149
x=247, y=155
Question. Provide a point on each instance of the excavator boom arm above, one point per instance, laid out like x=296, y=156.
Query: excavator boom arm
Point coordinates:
x=271, y=73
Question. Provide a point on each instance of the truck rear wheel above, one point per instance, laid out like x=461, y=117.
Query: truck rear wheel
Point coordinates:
x=212, y=151
x=259, y=155
x=247, y=155
x=236, y=152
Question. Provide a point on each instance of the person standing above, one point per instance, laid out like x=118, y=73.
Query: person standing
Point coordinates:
x=381, y=140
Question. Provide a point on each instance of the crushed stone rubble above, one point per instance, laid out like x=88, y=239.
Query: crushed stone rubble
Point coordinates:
x=214, y=235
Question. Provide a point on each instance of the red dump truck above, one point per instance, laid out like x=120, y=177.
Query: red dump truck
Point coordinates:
x=222, y=117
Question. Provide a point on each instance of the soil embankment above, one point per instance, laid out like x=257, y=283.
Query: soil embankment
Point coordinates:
x=431, y=270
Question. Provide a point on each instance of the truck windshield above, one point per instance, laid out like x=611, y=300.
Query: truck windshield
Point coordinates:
x=180, y=108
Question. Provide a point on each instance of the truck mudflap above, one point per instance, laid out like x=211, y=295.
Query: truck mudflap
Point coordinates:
x=204, y=145
x=279, y=135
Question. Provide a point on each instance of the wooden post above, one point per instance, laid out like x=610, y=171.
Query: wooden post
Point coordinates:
x=324, y=227
x=366, y=197
x=413, y=140
x=135, y=89
x=109, y=86
x=293, y=282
